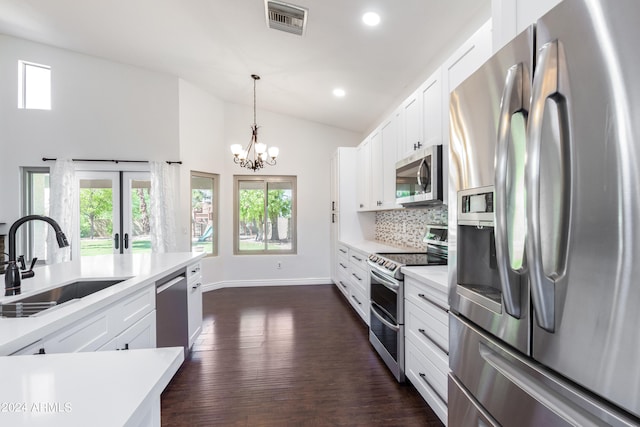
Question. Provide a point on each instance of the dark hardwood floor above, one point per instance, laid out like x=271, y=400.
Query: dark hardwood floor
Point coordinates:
x=287, y=356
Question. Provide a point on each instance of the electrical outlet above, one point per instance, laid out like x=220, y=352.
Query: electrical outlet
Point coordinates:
x=279, y=265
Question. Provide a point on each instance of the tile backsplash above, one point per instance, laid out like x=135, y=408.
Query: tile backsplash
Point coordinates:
x=406, y=227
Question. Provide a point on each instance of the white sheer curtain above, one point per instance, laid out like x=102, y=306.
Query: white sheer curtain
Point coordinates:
x=164, y=204
x=63, y=208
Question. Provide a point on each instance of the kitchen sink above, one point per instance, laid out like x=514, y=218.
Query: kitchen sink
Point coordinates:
x=34, y=304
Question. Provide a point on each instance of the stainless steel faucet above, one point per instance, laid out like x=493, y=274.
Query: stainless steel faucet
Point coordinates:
x=13, y=276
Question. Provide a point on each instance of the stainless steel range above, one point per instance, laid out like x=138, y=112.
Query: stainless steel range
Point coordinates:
x=386, y=330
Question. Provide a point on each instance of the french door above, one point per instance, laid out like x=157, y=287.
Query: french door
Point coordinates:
x=113, y=213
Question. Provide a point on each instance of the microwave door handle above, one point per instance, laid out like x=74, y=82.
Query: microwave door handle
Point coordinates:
x=512, y=102
x=418, y=174
x=548, y=203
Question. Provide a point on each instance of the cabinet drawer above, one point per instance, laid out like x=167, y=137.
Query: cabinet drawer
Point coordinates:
x=342, y=265
x=425, y=296
x=430, y=326
x=343, y=283
x=358, y=258
x=360, y=278
x=343, y=250
x=133, y=308
x=360, y=303
x=193, y=272
x=430, y=382
x=427, y=346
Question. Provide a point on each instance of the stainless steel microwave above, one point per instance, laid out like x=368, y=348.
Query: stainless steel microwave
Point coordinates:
x=419, y=177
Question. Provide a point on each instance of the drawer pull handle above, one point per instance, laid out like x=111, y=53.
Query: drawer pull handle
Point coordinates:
x=356, y=258
x=437, y=304
x=342, y=284
x=356, y=276
x=423, y=332
x=196, y=286
x=342, y=250
x=343, y=266
x=356, y=299
x=426, y=381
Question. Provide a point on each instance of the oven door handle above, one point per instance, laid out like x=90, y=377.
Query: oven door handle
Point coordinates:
x=385, y=322
x=385, y=282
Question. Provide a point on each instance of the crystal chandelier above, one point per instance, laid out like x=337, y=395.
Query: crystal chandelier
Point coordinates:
x=256, y=155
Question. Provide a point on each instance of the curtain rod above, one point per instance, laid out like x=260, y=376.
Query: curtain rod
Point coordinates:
x=47, y=159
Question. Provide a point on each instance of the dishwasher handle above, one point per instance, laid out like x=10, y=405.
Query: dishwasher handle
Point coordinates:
x=169, y=284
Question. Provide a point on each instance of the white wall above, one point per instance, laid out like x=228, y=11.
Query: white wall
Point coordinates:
x=305, y=151
x=201, y=145
x=100, y=109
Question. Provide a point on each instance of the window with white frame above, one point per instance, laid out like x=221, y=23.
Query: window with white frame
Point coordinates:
x=204, y=213
x=35, y=201
x=34, y=86
x=264, y=214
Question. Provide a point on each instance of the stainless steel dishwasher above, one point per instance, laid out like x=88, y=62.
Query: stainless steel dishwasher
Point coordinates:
x=172, y=325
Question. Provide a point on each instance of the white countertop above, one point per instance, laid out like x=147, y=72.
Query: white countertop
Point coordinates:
x=139, y=269
x=436, y=276
x=110, y=388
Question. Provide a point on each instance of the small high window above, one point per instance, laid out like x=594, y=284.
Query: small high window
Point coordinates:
x=34, y=86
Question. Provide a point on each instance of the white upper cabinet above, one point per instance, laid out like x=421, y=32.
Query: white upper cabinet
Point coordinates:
x=468, y=58
x=390, y=130
x=376, y=170
x=382, y=148
x=363, y=180
x=411, y=132
x=421, y=117
x=511, y=17
x=431, y=94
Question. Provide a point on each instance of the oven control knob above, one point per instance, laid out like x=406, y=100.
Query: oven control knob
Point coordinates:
x=373, y=258
x=392, y=267
x=381, y=261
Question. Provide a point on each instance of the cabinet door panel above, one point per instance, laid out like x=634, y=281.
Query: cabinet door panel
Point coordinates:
x=88, y=335
x=140, y=335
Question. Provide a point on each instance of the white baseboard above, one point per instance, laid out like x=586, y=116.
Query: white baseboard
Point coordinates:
x=266, y=282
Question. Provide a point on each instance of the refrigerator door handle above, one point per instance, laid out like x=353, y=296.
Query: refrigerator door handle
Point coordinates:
x=546, y=257
x=512, y=102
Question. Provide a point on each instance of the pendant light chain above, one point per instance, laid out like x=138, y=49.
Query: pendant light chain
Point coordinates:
x=260, y=156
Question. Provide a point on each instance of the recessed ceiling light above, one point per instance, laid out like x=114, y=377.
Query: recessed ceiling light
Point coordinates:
x=371, y=19
x=339, y=92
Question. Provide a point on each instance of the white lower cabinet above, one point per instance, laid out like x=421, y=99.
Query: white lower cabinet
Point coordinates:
x=427, y=343
x=141, y=335
x=352, y=273
x=87, y=335
x=424, y=376
x=194, y=301
x=130, y=318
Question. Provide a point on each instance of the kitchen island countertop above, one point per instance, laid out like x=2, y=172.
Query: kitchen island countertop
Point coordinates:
x=138, y=270
x=110, y=388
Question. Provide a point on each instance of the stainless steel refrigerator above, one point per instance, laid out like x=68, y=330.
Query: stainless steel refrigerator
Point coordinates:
x=545, y=163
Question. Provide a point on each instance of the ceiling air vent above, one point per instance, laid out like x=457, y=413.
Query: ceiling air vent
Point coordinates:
x=286, y=17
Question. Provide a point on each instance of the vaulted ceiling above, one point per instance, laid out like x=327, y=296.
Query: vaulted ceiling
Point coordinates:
x=218, y=44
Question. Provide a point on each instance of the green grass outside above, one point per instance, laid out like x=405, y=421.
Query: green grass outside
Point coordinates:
x=90, y=247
